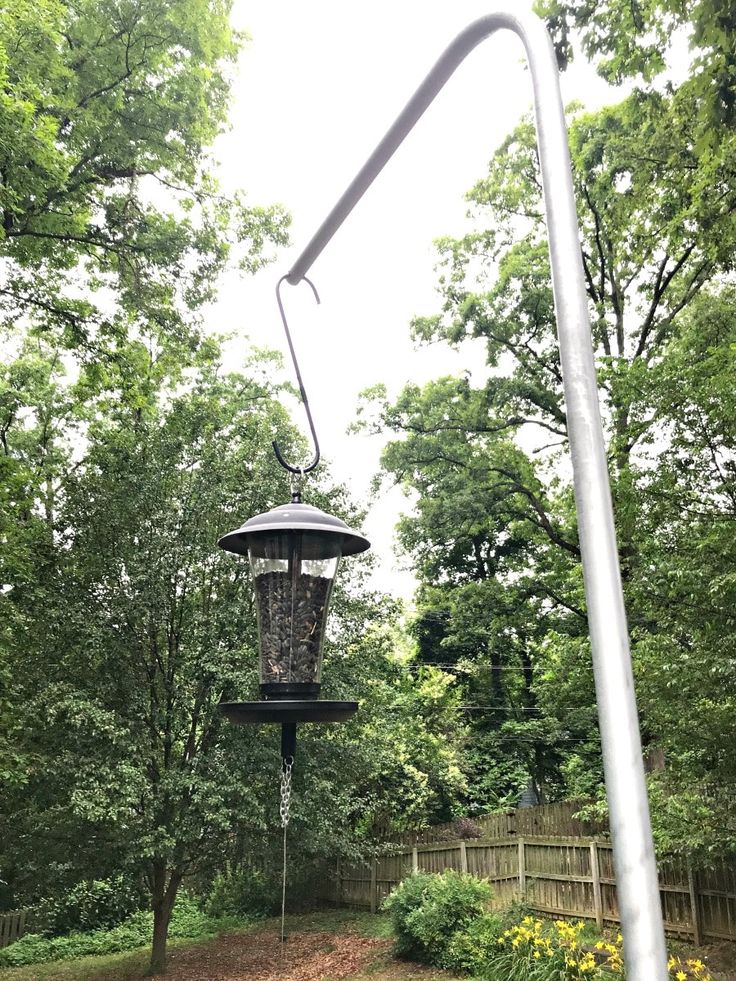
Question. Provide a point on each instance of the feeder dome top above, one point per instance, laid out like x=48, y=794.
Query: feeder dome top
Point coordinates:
x=296, y=518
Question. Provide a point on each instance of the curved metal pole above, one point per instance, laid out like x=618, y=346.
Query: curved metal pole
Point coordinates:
x=636, y=871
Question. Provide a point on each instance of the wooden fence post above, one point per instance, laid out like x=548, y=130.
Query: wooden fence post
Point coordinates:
x=463, y=857
x=12, y=926
x=338, y=884
x=374, y=886
x=414, y=860
x=596, y=875
x=694, y=906
x=522, y=871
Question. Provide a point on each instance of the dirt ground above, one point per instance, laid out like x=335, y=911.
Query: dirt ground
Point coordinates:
x=720, y=958
x=260, y=956
x=309, y=956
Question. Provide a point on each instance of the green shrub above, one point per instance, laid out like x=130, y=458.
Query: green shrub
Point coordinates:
x=88, y=905
x=427, y=910
x=471, y=949
x=243, y=893
x=187, y=921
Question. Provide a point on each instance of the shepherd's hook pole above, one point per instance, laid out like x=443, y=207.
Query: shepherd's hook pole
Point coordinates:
x=636, y=871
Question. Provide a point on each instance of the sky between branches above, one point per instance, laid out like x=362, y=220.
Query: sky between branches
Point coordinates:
x=317, y=87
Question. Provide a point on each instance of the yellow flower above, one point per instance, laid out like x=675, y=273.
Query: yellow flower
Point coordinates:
x=681, y=976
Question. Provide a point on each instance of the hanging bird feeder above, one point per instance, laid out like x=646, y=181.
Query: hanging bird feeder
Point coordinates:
x=294, y=553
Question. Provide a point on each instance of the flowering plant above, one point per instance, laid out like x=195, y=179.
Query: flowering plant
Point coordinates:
x=690, y=969
x=534, y=950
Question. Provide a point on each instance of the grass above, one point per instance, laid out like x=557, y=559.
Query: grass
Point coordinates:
x=130, y=965
x=385, y=968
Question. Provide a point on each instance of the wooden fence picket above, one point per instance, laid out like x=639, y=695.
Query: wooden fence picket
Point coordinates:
x=13, y=925
x=568, y=876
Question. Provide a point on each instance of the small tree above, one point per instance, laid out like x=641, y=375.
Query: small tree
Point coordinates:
x=144, y=626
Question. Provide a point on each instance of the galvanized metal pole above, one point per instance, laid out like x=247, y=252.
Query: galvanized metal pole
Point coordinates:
x=636, y=870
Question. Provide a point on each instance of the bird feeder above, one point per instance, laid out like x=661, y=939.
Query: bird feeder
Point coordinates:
x=294, y=551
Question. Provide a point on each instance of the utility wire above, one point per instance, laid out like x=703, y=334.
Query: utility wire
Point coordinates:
x=520, y=708
x=453, y=666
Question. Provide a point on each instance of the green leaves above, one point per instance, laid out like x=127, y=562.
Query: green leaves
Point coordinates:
x=108, y=112
x=637, y=40
x=492, y=530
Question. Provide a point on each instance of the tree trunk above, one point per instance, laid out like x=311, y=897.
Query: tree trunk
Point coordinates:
x=162, y=907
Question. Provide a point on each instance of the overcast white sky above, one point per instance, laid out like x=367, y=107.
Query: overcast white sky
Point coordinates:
x=319, y=84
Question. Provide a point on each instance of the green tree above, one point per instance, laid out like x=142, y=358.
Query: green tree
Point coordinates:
x=124, y=455
x=633, y=39
x=494, y=525
x=34, y=411
x=109, y=215
x=139, y=631
x=135, y=626
x=685, y=643
x=489, y=559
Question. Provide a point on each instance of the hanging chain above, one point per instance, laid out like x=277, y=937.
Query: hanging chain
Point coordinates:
x=287, y=766
x=295, y=485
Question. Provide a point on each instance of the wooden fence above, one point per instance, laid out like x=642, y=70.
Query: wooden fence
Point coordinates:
x=551, y=820
x=571, y=877
x=13, y=925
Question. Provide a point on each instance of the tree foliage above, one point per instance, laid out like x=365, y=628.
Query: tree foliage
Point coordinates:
x=138, y=626
x=126, y=451
x=493, y=530
x=109, y=215
x=633, y=39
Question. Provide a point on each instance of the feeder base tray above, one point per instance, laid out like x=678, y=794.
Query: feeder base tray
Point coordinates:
x=283, y=710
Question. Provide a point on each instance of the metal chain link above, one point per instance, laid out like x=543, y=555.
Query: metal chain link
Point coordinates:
x=295, y=484
x=286, y=769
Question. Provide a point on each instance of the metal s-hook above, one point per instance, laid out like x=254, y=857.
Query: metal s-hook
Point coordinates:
x=315, y=459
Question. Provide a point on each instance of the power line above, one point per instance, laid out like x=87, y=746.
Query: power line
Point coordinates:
x=453, y=666
x=557, y=740
x=522, y=708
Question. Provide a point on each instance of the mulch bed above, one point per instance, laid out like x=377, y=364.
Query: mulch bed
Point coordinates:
x=258, y=956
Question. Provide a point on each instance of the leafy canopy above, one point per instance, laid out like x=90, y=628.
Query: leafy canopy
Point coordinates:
x=109, y=108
